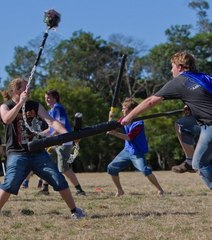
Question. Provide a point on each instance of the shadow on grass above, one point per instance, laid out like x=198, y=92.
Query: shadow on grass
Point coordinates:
x=6, y=213
x=43, y=198
x=142, y=215
x=187, y=194
x=136, y=194
x=136, y=215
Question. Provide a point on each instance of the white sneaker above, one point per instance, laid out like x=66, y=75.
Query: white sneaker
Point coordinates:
x=78, y=214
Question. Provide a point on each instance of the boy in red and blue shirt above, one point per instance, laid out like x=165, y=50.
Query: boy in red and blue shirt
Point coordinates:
x=134, y=151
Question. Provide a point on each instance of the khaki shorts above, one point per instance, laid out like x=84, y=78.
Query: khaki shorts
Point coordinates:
x=61, y=155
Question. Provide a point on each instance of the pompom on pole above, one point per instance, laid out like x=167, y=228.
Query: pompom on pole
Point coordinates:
x=52, y=18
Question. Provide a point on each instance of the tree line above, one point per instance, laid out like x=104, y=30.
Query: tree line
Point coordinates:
x=84, y=70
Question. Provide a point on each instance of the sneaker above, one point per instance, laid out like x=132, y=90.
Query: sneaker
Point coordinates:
x=182, y=168
x=78, y=214
x=25, y=183
x=80, y=192
x=40, y=183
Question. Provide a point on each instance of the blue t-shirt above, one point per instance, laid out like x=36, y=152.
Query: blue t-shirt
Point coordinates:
x=58, y=112
x=138, y=145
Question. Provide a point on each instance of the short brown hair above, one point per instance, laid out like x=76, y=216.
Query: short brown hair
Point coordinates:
x=55, y=94
x=130, y=103
x=184, y=59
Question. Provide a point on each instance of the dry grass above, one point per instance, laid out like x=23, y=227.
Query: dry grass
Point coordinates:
x=185, y=212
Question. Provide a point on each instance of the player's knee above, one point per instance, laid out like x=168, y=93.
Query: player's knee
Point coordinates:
x=147, y=171
x=59, y=183
x=111, y=170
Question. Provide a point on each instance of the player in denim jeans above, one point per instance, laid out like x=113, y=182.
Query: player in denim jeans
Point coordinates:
x=20, y=161
x=134, y=150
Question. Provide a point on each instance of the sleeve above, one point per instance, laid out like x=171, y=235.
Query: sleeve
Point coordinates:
x=170, y=90
x=135, y=131
x=56, y=114
x=59, y=115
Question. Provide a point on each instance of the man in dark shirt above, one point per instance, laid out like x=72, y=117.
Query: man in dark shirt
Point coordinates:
x=21, y=126
x=195, y=90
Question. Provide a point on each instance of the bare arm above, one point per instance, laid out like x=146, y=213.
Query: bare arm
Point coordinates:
x=45, y=132
x=141, y=108
x=8, y=115
x=118, y=135
x=58, y=127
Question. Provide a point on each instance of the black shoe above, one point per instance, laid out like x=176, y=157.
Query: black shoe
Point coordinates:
x=80, y=192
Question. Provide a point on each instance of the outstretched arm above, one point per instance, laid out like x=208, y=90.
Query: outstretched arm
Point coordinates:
x=118, y=135
x=141, y=108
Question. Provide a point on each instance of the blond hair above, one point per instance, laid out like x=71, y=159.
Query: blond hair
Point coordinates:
x=184, y=59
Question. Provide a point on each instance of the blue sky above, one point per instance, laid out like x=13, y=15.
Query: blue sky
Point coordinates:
x=22, y=20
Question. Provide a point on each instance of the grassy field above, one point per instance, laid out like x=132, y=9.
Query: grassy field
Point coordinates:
x=184, y=212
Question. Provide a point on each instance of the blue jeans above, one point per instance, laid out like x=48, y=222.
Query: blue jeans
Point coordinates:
x=189, y=129
x=202, y=159
x=124, y=159
x=19, y=166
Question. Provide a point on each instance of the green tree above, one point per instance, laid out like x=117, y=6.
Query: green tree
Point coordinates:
x=179, y=34
x=200, y=6
x=95, y=62
x=86, y=58
x=201, y=47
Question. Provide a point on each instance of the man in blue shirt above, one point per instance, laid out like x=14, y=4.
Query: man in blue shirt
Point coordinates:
x=60, y=153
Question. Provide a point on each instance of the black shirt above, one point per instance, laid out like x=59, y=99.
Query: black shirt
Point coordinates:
x=17, y=135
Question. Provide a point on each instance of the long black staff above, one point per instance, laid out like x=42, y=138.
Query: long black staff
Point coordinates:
x=117, y=87
x=89, y=131
x=52, y=19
